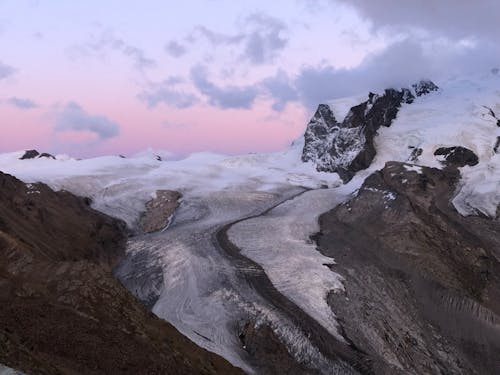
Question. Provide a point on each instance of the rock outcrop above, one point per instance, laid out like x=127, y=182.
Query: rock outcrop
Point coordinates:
x=30, y=154
x=33, y=154
x=457, y=156
x=62, y=311
x=348, y=147
x=159, y=211
x=422, y=282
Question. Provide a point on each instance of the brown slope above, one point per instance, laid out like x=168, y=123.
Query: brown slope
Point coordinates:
x=61, y=309
x=422, y=283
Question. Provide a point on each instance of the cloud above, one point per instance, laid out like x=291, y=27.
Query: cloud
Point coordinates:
x=21, y=103
x=399, y=65
x=74, y=118
x=175, y=49
x=216, y=38
x=260, y=38
x=454, y=18
x=280, y=89
x=223, y=97
x=168, y=93
x=6, y=70
x=265, y=40
x=106, y=41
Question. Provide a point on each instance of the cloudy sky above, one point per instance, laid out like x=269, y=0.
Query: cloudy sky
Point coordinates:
x=118, y=76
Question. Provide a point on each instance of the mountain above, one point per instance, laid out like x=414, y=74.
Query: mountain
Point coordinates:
x=369, y=246
x=348, y=147
x=63, y=312
x=422, y=282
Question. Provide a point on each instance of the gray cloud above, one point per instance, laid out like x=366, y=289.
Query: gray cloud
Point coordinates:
x=455, y=18
x=21, y=103
x=265, y=40
x=399, y=65
x=6, y=70
x=168, y=93
x=223, y=97
x=216, y=38
x=105, y=42
x=175, y=49
x=260, y=39
x=281, y=90
x=74, y=117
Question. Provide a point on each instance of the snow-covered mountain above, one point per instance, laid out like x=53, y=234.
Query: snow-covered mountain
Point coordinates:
x=237, y=268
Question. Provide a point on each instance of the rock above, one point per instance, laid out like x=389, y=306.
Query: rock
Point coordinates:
x=422, y=282
x=46, y=155
x=261, y=342
x=424, y=87
x=496, y=148
x=346, y=148
x=30, y=154
x=159, y=211
x=62, y=310
x=457, y=156
x=415, y=154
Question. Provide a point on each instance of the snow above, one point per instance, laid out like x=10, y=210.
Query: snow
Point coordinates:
x=121, y=186
x=456, y=115
x=413, y=168
x=290, y=259
x=4, y=370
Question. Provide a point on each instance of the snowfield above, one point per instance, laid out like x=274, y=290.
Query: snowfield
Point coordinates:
x=194, y=286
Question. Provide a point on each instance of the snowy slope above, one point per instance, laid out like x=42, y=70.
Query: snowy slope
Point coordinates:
x=112, y=181
x=457, y=115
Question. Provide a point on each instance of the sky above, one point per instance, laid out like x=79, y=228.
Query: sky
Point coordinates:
x=101, y=77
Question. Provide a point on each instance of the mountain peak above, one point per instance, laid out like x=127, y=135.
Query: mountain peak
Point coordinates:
x=347, y=147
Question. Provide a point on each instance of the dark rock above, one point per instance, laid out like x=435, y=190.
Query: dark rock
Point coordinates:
x=259, y=341
x=424, y=87
x=348, y=147
x=62, y=310
x=496, y=148
x=30, y=154
x=46, y=155
x=422, y=283
x=415, y=154
x=457, y=156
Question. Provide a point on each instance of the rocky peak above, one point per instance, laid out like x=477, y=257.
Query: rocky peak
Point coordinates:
x=424, y=87
x=347, y=147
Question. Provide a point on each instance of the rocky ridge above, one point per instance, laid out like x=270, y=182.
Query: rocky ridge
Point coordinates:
x=347, y=147
x=422, y=284
x=62, y=311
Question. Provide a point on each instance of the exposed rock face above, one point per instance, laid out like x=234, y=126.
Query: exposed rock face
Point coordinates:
x=347, y=147
x=496, y=148
x=30, y=154
x=415, y=154
x=160, y=211
x=62, y=311
x=457, y=156
x=424, y=87
x=261, y=342
x=46, y=155
x=422, y=283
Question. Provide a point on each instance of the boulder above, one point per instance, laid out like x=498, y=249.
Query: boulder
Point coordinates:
x=457, y=156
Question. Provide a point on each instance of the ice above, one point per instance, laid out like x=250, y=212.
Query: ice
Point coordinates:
x=284, y=249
